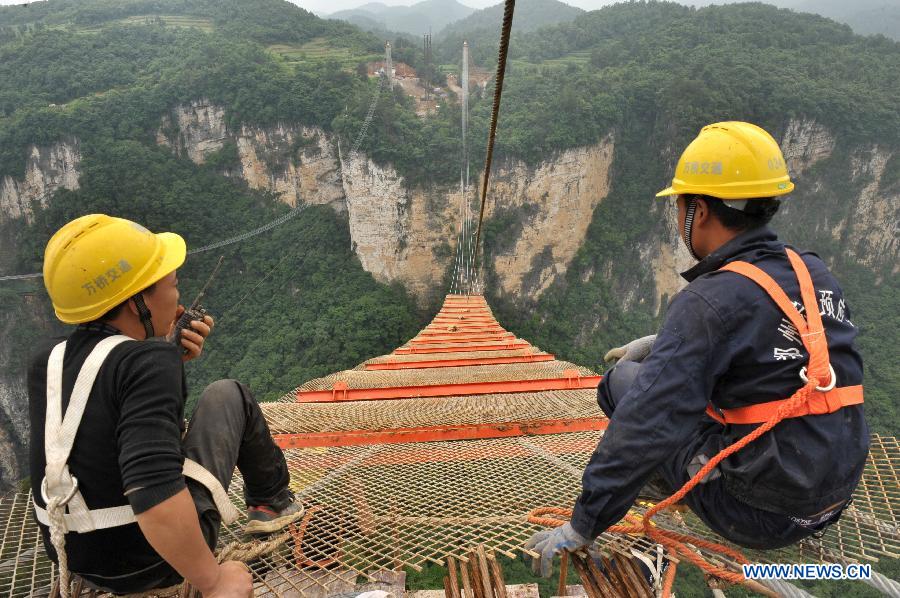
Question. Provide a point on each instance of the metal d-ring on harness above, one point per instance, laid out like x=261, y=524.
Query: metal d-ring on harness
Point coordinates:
x=66, y=510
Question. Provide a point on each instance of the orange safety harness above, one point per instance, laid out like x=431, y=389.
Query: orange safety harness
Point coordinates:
x=824, y=399
x=813, y=398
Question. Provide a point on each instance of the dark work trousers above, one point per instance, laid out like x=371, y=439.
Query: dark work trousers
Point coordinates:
x=726, y=515
x=227, y=430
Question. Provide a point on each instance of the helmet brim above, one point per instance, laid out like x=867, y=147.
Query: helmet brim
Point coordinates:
x=667, y=192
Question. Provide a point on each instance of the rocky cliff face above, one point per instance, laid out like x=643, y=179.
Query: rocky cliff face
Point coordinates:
x=293, y=162
x=397, y=231
x=873, y=225
x=47, y=169
x=409, y=235
x=19, y=318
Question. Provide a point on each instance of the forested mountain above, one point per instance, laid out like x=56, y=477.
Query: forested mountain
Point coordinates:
x=417, y=19
x=529, y=15
x=211, y=118
x=866, y=17
x=206, y=117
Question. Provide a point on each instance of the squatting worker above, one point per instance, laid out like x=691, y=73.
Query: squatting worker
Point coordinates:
x=727, y=353
x=109, y=457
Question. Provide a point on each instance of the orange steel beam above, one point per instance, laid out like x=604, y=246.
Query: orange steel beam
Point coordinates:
x=464, y=323
x=433, y=339
x=439, y=433
x=466, y=320
x=475, y=347
x=453, y=329
x=433, y=330
x=340, y=391
x=452, y=363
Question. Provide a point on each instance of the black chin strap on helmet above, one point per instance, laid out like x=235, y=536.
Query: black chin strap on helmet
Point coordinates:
x=144, y=314
x=689, y=226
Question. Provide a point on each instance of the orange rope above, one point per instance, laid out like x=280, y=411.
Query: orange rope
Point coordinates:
x=675, y=542
x=298, y=532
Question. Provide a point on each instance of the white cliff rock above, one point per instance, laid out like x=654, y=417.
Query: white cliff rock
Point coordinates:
x=395, y=230
x=47, y=169
x=805, y=142
x=291, y=161
x=873, y=225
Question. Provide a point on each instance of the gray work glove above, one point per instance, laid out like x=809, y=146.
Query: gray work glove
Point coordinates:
x=636, y=350
x=550, y=542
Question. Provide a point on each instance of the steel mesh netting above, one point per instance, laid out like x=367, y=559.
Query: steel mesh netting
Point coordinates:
x=392, y=506
x=357, y=379
x=288, y=418
x=24, y=567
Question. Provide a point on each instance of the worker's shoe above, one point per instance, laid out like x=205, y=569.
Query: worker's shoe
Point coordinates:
x=266, y=519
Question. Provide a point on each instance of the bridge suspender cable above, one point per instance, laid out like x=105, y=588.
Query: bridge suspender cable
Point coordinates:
x=508, y=9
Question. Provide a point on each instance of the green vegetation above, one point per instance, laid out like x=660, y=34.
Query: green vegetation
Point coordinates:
x=321, y=50
x=650, y=74
x=294, y=303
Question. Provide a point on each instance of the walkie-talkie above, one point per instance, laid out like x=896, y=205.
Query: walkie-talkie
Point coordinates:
x=194, y=312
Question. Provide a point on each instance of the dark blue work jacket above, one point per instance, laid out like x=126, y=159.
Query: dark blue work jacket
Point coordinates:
x=725, y=341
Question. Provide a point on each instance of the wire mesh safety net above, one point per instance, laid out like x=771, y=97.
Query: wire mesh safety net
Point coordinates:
x=387, y=507
x=377, y=506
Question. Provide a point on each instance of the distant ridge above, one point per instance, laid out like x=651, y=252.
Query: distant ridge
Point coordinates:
x=530, y=15
x=429, y=15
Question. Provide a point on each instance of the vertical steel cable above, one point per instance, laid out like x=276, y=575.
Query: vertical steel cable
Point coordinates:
x=508, y=9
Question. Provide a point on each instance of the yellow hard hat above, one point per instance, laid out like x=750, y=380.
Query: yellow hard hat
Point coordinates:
x=731, y=160
x=96, y=262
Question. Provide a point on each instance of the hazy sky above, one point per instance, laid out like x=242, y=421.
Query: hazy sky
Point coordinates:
x=329, y=6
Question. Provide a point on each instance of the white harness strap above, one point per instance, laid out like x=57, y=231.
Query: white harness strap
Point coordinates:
x=59, y=436
x=116, y=516
x=226, y=508
x=59, y=432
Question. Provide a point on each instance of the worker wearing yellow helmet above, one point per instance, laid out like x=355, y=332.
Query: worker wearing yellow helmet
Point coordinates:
x=127, y=499
x=757, y=323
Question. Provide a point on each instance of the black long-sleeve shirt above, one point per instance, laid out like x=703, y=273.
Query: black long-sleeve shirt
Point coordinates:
x=725, y=341
x=127, y=449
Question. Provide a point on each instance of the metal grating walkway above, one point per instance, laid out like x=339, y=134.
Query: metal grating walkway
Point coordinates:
x=456, y=454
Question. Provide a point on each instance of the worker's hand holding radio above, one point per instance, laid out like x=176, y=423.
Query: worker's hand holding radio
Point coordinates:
x=190, y=332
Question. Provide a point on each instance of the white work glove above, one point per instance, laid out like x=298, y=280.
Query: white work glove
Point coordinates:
x=550, y=542
x=636, y=350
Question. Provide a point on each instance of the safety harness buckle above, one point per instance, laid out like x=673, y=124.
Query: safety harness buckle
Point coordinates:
x=830, y=386
x=68, y=497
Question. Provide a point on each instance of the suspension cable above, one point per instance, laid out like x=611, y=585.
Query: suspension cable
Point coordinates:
x=508, y=9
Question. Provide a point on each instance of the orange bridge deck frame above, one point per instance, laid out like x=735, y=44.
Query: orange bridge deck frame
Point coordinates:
x=466, y=331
